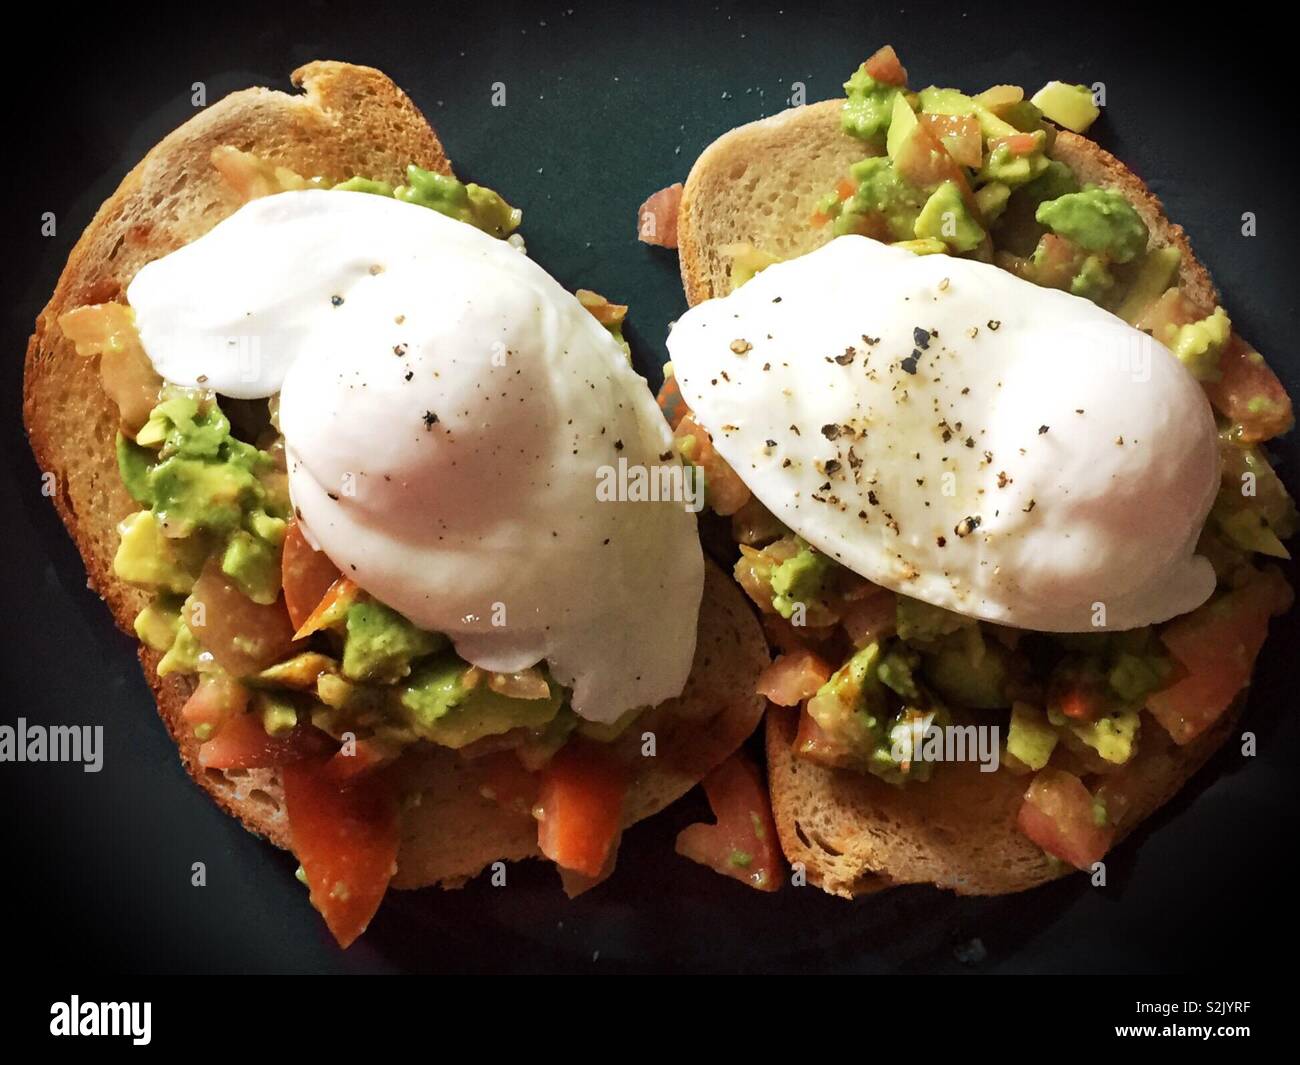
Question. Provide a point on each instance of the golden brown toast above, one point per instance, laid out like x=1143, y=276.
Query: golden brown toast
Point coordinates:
x=348, y=120
x=759, y=185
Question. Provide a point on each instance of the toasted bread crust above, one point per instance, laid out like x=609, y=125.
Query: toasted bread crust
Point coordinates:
x=349, y=120
x=759, y=184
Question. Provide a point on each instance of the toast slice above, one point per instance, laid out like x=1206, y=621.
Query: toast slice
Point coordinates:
x=348, y=120
x=758, y=185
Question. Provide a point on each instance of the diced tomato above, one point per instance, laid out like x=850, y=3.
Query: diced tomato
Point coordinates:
x=743, y=843
x=793, y=677
x=505, y=781
x=819, y=219
x=885, y=67
x=1055, y=262
x=1249, y=394
x=1079, y=690
x=340, y=593
x=845, y=188
x=813, y=742
x=242, y=743
x=575, y=883
x=580, y=806
x=1217, y=645
x=656, y=221
x=871, y=619
x=306, y=575
x=1016, y=144
x=360, y=757
x=1058, y=814
x=960, y=134
x=727, y=493
x=1171, y=310
x=924, y=162
x=671, y=402
x=242, y=636
x=216, y=700
x=785, y=637
x=346, y=837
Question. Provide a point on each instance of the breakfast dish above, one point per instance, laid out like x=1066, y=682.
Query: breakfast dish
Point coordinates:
x=991, y=450
x=329, y=444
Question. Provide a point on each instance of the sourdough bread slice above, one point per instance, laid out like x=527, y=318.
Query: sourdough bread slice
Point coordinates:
x=348, y=120
x=759, y=185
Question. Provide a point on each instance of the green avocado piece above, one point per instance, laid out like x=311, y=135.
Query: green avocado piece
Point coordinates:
x=254, y=565
x=1097, y=219
x=133, y=463
x=1030, y=736
x=850, y=706
x=917, y=620
x=380, y=644
x=1015, y=169
x=1135, y=676
x=148, y=558
x=438, y=707
x=1093, y=279
x=1198, y=345
x=938, y=101
x=946, y=217
x=1155, y=272
x=869, y=107
x=799, y=579
x=881, y=189
x=474, y=204
x=1071, y=106
x=897, y=669
x=1113, y=736
x=969, y=671
x=158, y=623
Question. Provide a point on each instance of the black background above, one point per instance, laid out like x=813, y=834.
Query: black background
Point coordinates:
x=605, y=104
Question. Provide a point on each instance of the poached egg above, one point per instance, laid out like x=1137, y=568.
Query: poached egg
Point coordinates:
x=962, y=436
x=448, y=409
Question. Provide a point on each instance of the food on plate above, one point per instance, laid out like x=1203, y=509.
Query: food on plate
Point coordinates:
x=991, y=449
x=329, y=443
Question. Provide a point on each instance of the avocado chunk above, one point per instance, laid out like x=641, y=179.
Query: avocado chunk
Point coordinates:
x=850, y=706
x=901, y=126
x=438, y=706
x=148, y=558
x=1015, y=168
x=881, y=190
x=474, y=204
x=254, y=565
x=157, y=624
x=1030, y=736
x=380, y=644
x=968, y=670
x=1071, y=106
x=1199, y=345
x=800, y=579
x=946, y=217
x=133, y=463
x=1098, y=220
x=917, y=620
x=869, y=107
x=1156, y=271
x=1113, y=736
x=937, y=101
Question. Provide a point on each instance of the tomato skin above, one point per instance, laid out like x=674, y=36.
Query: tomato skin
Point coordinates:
x=743, y=843
x=960, y=134
x=885, y=67
x=306, y=575
x=216, y=700
x=1057, y=814
x=1216, y=645
x=242, y=743
x=341, y=591
x=1249, y=393
x=793, y=677
x=346, y=836
x=657, y=217
x=580, y=807
x=671, y=402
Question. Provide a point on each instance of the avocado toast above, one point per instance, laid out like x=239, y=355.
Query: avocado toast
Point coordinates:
x=442, y=827
x=782, y=187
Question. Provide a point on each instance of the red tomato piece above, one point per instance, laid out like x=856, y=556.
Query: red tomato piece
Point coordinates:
x=242, y=743
x=672, y=403
x=216, y=700
x=1059, y=815
x=341, y=591
x=885, y=67
x=1249, y=393
x=656, y=221
x=793, y=677
x=306, y=575
x=727, y=493
x=960, y=134
x=871, y=619
x=580, y=807
x=743, y=843
x=345, y=834
x=1216, y=645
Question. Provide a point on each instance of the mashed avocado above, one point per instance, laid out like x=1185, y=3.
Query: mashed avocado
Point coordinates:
x=1198, y=345
x=881, y=191
x=381, y=644
x=479, y=206
x=436, y=705
x=1097, y=219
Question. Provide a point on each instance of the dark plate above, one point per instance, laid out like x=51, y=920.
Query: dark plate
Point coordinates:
x=605, y=104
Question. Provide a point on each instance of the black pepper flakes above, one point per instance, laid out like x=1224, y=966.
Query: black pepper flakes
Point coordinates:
x=1042, y=429
x=831, y=431
x=337, y=301
x=994, y=324
x=967, y=525
x=921, y=337
x=430, y=419
x=908, y=365
x=399, y=350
